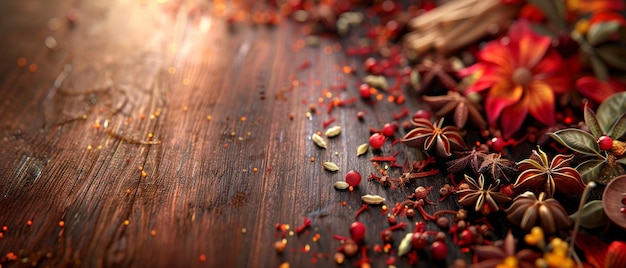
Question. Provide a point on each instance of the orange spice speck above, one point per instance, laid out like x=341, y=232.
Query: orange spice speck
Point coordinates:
x=379, y=97
x=32, y=67
x=255, y=170
x=153, y=232
x=29, y=223
x=5, y=228
x=391, y=98
x=328, y=50
x=127, y=191
x=126, y=222
x=142, y=116
x=21, y=62
x=312, y=159
x=209, y=118
x=140, y=168
x=243, y=119
x=144, y=174
x=61, y=223
x=202, y=257
x=344, y=203
x=347, y=69
x=185, y=108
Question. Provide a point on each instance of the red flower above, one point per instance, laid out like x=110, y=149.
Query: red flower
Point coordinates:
x=521, y=76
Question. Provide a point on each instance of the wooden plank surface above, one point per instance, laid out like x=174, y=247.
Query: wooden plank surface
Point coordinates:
x=75, y=132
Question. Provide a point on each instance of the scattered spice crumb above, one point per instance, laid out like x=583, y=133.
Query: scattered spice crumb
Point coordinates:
x=202, y=258
x=61, y=223
x=29, y=223
x=126, y=222
x=144, y=174
x=89, y=147
x=255, y=170
x=209, y=118
x=21, y=62
x=5, y=228
x=244, y=230
x=32, y=68
x=153, y=232
x=140, y=168
x=127, y=191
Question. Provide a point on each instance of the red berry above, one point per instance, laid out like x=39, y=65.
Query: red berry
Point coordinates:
x=423, y=114
x=389, y=129
x=387, y=236
x=369, y=65
x=364, y=91
x=498, y=144
x=466, y=237
x=353, y=178
x=419, y=241
x=357, y=231
x=439, y=250
x=605, y=142
x=377, y=140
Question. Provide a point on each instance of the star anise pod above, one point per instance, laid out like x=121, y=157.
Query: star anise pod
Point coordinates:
x=493, y=255
x=528, y=210
x=498, y=168
x=538, y=172
x=485, y=199
x=466, y=160
x=438, y=68
x=443, y=139
x=461, y=108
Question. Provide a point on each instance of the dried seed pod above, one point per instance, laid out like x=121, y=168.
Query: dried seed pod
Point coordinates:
x=362, y=149
x=372, y=199
x=333, y=131
x=318, y=140
x=341, y=185
x=330, y=166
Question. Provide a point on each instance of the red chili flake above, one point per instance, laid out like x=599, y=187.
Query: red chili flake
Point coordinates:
x=306, y=224
x=402, y=114
x=358, y=212
x=304, y=65
x=327, y=123
x=340, y=86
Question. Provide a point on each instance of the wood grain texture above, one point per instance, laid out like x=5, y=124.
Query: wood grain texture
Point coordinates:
x=142, y=67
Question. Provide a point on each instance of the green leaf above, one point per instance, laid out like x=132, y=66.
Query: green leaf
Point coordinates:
x=601, y=32
x=613, y=55
x=619, y=129
x=405, y=245
x=577, y=140
x=592, y=215
x=590, y=169
x=609, y=109
x=592, y=123
x=598, y=67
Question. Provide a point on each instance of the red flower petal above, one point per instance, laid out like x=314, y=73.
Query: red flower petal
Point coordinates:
x=497, y=53
x=615, y=256
x=501, y=96
x=595, y=250
x=530, y=46
x=512, y=118
x=540, y=100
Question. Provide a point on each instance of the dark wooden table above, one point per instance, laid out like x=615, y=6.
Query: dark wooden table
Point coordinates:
x=215, y=116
